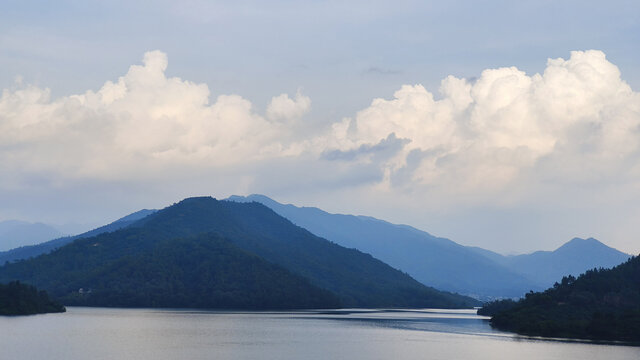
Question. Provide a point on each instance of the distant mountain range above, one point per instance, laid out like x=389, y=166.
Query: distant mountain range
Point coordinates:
x=25, y=252
x=206, y=253
x=572, y=258
x=444, y=264
x=433, y=261
x=14, y=233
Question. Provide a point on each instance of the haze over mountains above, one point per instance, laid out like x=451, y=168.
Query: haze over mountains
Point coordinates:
x=572, y=258
x=202, y=252
x=436, y=262
x=444, y=264
x=27, y=251
x=14, y=233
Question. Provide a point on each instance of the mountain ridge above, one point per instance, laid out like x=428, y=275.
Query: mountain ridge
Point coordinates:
x=16, y=233
x=358, y=279
x=571, y=258
x=25, y=252
x=434, y=261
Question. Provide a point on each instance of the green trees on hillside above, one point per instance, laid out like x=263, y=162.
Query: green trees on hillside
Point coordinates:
x=21, y=299
x=216, y=254
x=600, y=304
x=199, y=272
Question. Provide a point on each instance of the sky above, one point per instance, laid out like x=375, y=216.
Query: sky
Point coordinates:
x=513, y=126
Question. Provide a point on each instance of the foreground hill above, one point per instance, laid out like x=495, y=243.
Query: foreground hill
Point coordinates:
x=573, y=258
x=600, y=304
x=153, y=262
x=205, y=271
x=15, y=233
x=21, y=299
x=434, y=261
x=25, y=252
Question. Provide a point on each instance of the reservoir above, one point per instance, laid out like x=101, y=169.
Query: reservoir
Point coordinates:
x=102, y=333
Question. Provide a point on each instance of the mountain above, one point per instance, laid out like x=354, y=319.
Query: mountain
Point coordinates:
x=572, y=258
x=25, y=252
x=153, y=261
x=601, y=304
x=444, y=264
x=205, y=271
x=433, y=261
x=21, y=299
x=14, y=233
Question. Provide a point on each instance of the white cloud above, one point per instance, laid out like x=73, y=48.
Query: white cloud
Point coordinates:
x=505, y=139
x=138, y=126
x=473, y=137
x=282, y=107
x=507, y=125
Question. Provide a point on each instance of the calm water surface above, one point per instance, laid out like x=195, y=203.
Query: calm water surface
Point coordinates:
x=97, y=333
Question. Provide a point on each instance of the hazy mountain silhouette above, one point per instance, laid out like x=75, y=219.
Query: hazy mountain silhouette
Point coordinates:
x=14, y=233
x=130, y=266
x=444, y=264
x=25, y=252
x=572, y=258
x=434, y=261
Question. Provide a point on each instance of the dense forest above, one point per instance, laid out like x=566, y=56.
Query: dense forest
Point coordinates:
x=216, y=254
x=599, y=304
x=22, y=299
x=204, y=271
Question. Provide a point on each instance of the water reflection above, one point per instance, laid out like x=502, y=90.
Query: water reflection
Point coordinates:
x=342, y=334
x=445, y=321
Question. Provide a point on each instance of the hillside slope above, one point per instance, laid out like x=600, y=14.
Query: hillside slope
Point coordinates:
x=433, y=261
x=357, y=279
x=444, y=264
x=600, y=304
x=25, y=252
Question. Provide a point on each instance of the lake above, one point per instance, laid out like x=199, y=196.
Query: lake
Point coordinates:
x=99, y=333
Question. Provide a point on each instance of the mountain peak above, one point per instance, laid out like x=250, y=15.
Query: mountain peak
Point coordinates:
x=15, y=233
x=577, y=242
x=202, y=233
x=259, y=198
x=591, y=248
x=196, y=199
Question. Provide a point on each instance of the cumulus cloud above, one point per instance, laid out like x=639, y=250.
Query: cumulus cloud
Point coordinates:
x=282, y=107
x=578, y=121
x=575, y=119
x=138, y=126
x=566, y=138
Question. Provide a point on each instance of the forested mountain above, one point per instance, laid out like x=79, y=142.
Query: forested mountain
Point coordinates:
x=204, y=271
x=444, y=264
x=25, y=252
x=146, y=262
x=14, y=233
x=21, y=299
x=601, y=304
